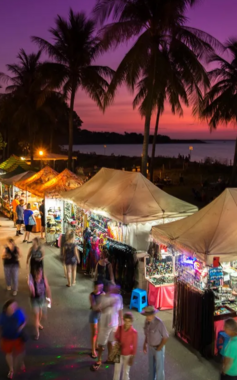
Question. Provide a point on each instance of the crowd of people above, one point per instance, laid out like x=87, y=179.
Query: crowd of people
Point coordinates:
x=110, y=327
x=24, y=215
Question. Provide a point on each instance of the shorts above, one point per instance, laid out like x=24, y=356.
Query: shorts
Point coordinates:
x=94, y=317
x=29, y=228
x=19, y=221
x=106, y=334
x=38, y=304
x=12, y=345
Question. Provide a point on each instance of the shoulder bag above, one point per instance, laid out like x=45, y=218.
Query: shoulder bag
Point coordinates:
x=31, y=221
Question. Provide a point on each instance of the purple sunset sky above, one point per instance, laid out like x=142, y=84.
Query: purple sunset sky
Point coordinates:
x=20, y=19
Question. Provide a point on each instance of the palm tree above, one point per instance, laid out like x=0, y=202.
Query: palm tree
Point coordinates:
x=170, y=86
x=28, y=90
x=220, y=103
x=74, y=51
x=154, y=24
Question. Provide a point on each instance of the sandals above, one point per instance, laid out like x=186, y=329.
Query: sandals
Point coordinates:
x=93, y=356
x=36, y=337
x=96, y=366
x=10, y=375
x=41, y=327
x=68, y=286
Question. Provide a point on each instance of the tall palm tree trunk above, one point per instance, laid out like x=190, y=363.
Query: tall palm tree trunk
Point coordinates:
x=233, y=177
x=70, y=139
x=51, y=139
x=31, y=139
x=148, y=119
x=145, y=144
x=154, y=144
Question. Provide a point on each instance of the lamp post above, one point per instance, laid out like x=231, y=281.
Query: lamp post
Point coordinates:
x=105, y=149
x=41, y=153
x=190, y=151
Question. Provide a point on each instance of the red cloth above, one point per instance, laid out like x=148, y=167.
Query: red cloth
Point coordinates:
x=219, y=326
x=162, y=297
x=127, y=339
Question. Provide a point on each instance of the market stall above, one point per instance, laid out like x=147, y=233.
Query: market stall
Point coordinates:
x=8, y=190
x=60, y=215
x=30, y=185
x=118, y=209
x=12, y=163
x=206, y=284
x=131, y=202
x=161, y=267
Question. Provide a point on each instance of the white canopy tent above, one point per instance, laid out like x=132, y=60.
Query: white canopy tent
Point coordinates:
x=129, y=198
x=210, y=232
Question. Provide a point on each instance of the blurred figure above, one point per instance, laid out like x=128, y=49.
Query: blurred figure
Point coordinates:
x=229, y=368
x=39, y=290
x=95, y=315
x=12, y=322
x=71, y=259
x=35, y=256
x=156, y=337
x=111, y=307
x=11, y=255
x=126, y=338
x=29, y=221
x=14, y=204
x=104, y=270
x=42, y=213
x=20, y=217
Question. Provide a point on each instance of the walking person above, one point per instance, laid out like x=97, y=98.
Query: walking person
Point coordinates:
x=126, y=338
x=14, y=204
x=103, y=270
x=39, y=290
x=12, y=322
x=11, y=255
x=19, y=217
x=35, y=256
x=95, y=315
x=71, y=258
x=229, y=368
x=42, y=213
x=156, y=337
x=29, y=221
x=111, y=307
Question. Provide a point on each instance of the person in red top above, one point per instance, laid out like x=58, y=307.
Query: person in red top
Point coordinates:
x=126, y=336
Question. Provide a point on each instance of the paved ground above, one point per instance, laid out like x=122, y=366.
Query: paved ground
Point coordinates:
x=62, y=352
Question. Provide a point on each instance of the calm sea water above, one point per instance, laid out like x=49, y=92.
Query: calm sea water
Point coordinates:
x=223, y=151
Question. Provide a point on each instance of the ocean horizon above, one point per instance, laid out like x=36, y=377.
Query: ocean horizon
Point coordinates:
x=217, y=150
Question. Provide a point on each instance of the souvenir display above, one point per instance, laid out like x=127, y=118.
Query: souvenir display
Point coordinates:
x=54, y=219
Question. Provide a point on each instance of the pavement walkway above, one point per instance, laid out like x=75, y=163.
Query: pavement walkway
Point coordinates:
x=62, y=352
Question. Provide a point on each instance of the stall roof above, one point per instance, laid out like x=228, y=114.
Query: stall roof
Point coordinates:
x=50, y=157
x=19, y=170
x=43, y=176
x=18, y=177
x=62, y=182
x=12, y=163
x=127, y=197
x=209, y=232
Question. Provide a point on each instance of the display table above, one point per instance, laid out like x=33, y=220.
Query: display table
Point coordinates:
x=37, y=226
x=161, y=296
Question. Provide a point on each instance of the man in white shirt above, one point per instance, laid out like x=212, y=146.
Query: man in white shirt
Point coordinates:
x=111, y=307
